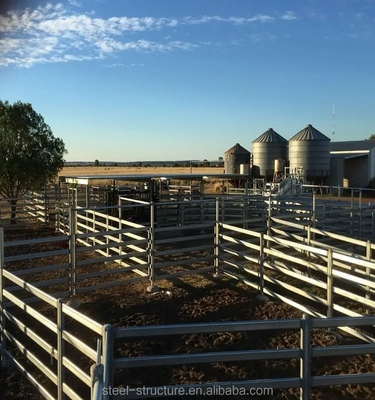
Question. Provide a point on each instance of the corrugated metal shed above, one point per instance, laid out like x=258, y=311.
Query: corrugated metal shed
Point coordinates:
x=270, y=136
x=353, y=145
x=237, y=148
x=309, y=133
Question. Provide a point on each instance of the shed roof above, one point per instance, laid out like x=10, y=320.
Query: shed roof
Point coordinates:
x=237, y=148
x=85, y=179
x=269, y=136
x=309, y=133
x=358, y=145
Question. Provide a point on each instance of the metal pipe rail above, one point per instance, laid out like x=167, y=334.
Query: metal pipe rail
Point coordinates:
x=305, y=382
x=10, y=337
x=290, y=266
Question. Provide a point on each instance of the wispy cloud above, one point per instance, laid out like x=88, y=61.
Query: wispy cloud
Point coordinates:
x=289, y=16
x=54, y=33
x=117, y=65
x=235, y=20
x=75, y=3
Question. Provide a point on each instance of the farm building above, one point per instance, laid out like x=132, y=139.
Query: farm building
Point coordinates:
x=352, y=161
x=311, y=154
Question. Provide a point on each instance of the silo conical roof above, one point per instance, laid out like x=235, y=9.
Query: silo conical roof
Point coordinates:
x=309, y=133
x=269, y=136
x=237, y=148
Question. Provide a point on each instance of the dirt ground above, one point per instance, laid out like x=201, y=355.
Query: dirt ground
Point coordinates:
x=191, y=300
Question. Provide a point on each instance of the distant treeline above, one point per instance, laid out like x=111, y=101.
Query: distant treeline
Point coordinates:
x=146, y=164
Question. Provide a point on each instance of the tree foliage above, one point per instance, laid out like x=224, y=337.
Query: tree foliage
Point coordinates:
x=372, y=137
x=30, y=156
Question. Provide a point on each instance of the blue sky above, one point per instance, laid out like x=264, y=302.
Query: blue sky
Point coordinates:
x=135, y=80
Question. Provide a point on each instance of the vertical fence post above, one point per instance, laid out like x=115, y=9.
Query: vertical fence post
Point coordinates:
x=261, y=265
x=308, y=240
x=360, y=215
x=305, y=360
x=330, y=284
x=46, y=206
x=269, y=216
x=57, y=209
x=373, y=226
x=87, y=193
x=201, y=197
x=351, y=212
x=60, y=350
x=182, y=213
x=107, y=361
x=244, y=215
x=314, y=213
x=151, y=251
x=3, y=341
x=222, y=209
x=87, y=205
x=120, y=236
x=72, y=250
x=107, y=234
x=368, y=272
x=96, y=373
x=216, y=239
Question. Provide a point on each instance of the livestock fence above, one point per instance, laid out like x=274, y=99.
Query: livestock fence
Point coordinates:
x=30, y=209
x=282, y=258
x=39, y=336
x=178, y=204
x=345, y=218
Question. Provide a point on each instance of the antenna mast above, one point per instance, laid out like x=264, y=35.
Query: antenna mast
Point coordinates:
x=333, y=120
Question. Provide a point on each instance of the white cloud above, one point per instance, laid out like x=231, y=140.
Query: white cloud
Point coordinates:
x=75, y=3
x=261, y=18
x=53, y=33
x=116, y=65
x=288, y=16
x=235, y=20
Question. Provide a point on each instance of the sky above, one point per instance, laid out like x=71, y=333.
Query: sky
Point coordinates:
x=142, y=80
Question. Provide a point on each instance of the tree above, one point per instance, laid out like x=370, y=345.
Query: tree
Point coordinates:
x=96, y=163
x=372, y=137
x=30, y=156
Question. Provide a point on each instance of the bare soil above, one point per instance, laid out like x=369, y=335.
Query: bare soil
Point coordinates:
x=194, y=299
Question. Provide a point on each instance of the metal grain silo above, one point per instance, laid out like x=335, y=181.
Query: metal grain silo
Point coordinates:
x=309, y=151
x=234, y=157
x=267, y=148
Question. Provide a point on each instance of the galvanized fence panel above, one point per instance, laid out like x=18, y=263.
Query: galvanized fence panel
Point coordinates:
x=43, y=345
x=109, y=247
x=175, y=251
x=270, y=264
x=30, y=209
x=305, y=381
x=52, y=262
